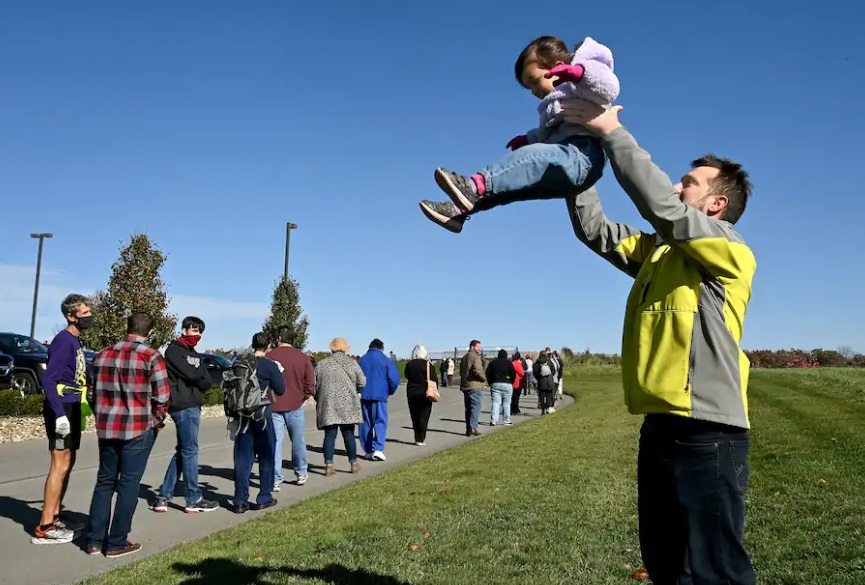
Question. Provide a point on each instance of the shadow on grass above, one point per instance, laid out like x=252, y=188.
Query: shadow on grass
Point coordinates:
x=211, y=571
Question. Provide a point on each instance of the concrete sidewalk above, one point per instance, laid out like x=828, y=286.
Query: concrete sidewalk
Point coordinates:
x=26, y=464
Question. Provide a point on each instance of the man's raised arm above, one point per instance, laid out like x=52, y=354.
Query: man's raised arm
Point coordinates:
x=621, y=245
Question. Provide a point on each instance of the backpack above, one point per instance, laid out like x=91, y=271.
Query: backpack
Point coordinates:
x=545, y=369
x=242, y=394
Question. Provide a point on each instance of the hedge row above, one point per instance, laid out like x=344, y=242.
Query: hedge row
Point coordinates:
x=12, y=404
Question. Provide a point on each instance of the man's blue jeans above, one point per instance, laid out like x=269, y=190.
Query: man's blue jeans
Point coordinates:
x=472, y=399
x=257, y=438
x=294, y=421
x=543, y=171
x=691, y=481
x=121, y=466
x=185, y=459
x=373, y=429
x=500, y=393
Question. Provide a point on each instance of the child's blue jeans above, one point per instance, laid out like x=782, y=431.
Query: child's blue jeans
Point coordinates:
x=543, y=171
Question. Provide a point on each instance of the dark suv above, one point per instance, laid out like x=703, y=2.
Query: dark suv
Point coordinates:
x=31, y=359
x=7, y=365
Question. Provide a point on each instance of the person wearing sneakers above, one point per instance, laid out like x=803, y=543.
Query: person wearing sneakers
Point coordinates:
x=382, y=380
x=188, y=376
x=545, y=376
x=501, y=376
x=63, y=382
x=255, y=436
x=288, y=411
x=129, y=399
x=530, y=376
x=550, y=161
x=472, y=382
x=338, y=382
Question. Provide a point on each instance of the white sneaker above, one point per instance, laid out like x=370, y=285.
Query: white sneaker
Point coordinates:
x=419, y=444
x=492, y=423
x=54, y=535
x=301, y=480
x=378, y=456
x=552, y=409
x=277, y=487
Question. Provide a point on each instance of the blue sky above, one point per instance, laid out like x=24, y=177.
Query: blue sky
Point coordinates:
x=209, y=124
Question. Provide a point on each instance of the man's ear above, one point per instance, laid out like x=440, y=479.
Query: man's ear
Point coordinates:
x=559, y=63
x=718, y=205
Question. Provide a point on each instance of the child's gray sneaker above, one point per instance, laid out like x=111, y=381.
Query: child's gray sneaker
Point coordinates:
x=445, y=214
x=458, y=188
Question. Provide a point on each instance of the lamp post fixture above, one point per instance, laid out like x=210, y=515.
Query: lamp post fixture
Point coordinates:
x=288, y=227
x=41, y=238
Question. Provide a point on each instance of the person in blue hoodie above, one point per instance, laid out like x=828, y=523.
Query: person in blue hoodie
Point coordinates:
x=382, y=380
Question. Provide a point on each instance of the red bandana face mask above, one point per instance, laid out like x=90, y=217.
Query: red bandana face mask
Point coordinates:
x=189, y=341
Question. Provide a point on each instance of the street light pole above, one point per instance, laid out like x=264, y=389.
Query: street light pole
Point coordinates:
x=41, y=238
x=288, y=227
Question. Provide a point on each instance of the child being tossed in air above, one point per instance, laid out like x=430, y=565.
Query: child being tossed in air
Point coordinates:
x=554, y=160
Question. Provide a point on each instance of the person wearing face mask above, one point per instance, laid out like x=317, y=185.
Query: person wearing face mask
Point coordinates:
x=64, y=381
x=188, y=378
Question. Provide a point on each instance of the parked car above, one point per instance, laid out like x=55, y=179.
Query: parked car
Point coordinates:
x=216, y=365
x=7, y=367
x=31, y=359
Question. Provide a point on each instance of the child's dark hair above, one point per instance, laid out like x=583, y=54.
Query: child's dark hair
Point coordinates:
x=545, y=51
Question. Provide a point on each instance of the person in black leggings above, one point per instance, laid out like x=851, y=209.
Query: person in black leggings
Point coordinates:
x=417, y=371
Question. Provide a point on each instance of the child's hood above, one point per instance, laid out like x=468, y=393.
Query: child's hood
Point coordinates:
x=591, y=50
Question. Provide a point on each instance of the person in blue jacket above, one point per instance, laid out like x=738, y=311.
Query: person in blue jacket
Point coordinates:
x=382, y=380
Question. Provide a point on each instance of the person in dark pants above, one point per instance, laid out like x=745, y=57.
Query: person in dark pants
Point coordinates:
x=417, y=372
x=545, y=379
x=129, y=400
x=255, y=435
x=682, y=365
x=473, y=380
x=520, y=383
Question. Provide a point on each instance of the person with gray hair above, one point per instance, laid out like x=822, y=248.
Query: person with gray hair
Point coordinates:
x=417, y=372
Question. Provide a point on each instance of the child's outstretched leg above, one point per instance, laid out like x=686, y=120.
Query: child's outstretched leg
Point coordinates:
x=537, y=171
x=444, y=213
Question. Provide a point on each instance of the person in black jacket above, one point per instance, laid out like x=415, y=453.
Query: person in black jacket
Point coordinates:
x=188, y=378
x=545, y=376
x=417, y=371
x=500, y=376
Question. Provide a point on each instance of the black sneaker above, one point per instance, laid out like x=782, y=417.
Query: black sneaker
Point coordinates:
x=239, y=508
x=445, y=214
x=201, y=505
x=458, y=188
x=263, y=506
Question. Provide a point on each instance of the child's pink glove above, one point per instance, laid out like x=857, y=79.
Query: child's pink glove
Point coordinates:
x=518, y=142
x=566, y=73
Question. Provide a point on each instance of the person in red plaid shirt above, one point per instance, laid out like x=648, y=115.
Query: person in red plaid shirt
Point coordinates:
x=129, y=399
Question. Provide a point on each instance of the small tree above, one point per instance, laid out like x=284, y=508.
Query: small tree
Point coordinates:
x=285, y=311
x=134, y=285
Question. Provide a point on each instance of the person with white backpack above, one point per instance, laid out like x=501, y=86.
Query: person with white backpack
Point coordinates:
x=545, y=378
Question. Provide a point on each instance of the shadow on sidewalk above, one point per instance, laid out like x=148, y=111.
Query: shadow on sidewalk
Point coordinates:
x=211, y=571
x=439, y=431
x=27, y=514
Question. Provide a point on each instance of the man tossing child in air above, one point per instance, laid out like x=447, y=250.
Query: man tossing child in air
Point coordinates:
x=550, y=161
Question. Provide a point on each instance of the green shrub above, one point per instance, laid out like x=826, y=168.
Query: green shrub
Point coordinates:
x=12, y=404
x=212, y=397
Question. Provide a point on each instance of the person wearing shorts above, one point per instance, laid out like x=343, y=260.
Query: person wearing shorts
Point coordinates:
x=64, y=381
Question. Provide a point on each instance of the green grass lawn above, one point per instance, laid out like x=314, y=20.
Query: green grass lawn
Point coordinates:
x=554, y=501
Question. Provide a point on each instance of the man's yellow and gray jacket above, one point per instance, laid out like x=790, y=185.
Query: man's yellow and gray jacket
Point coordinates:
x=685, y=312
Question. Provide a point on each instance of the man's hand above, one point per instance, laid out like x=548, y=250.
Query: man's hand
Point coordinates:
x=62, y=427
x=592, y=116
x=518, y=142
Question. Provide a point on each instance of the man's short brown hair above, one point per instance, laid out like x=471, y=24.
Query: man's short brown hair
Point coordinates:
x=732, y=181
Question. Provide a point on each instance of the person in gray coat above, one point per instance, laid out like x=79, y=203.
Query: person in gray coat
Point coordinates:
x=338, y=380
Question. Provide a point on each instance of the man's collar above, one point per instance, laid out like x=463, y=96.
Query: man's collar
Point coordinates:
x=138, y=338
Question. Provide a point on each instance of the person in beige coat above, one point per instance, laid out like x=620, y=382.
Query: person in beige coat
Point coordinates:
x=338, y=380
